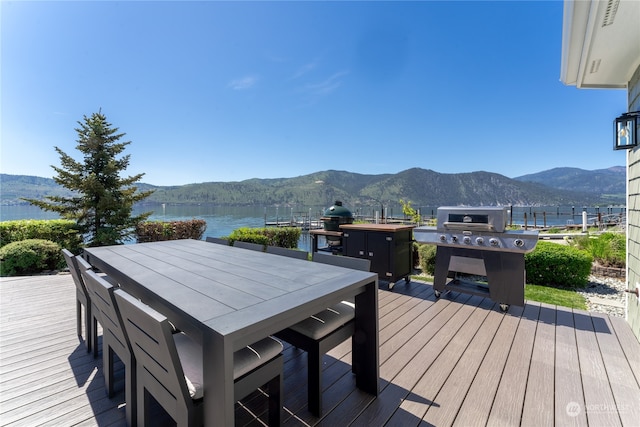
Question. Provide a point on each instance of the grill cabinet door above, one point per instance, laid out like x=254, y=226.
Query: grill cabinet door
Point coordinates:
x=388, y=248
x=354, y=244
x=379, y=245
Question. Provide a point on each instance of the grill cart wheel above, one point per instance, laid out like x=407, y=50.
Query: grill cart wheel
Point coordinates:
x=504, y=307
x=407, y=279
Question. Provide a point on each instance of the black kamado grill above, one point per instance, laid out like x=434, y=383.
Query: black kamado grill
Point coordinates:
x=333, y=218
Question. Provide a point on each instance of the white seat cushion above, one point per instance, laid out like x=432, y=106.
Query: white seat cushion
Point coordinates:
x=320, y=324
x=244, y=360
x=190, y=353
x=248, y=358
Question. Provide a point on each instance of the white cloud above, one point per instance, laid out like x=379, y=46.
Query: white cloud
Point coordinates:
x=243, y=83
x=305, y=69
x=328, y=85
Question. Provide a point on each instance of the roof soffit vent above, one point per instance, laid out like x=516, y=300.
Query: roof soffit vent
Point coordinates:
x=610, y=12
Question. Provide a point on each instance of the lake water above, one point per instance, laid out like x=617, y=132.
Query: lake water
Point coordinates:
x=222, y=220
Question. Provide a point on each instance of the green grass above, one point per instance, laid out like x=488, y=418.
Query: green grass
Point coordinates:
x=548, y=295
x=554, y=296
x=422, y=278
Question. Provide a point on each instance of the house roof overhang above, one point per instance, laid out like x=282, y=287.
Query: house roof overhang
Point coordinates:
x=600, y=43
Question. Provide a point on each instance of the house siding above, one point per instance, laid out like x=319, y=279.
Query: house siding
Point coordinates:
x=633, y=215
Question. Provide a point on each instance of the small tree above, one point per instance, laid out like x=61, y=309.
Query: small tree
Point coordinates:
x=103, y=201
x=409, y=211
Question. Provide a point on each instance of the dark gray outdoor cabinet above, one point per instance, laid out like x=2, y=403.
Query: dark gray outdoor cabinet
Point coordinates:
x=389, y=247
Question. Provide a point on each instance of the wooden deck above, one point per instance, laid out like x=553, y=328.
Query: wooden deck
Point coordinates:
x=453, y=361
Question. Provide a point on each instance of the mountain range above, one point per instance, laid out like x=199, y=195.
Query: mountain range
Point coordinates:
x=423, y=187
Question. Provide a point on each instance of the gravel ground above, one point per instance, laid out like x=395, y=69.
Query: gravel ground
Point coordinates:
x=605, y=295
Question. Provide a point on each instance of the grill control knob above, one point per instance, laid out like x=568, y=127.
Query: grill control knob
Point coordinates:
x=454, y=239
x=443, y=238
x=480, y=240
x=519, y=243
x=466, y=239
x=494, y=242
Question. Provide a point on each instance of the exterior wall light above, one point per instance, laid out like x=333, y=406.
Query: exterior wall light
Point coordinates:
x=625, y=131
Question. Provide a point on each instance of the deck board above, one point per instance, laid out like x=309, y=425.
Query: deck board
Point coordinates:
x=569, y=398
x=456, y=360
x=540, y=383
x=627, y=344
x=407, y=366
x=507, y=407
x=624, y=385
x=478, y=401
x=425, y=393
x=596, y=386
x=454, y=390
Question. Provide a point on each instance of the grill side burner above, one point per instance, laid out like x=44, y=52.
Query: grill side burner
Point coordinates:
x=475, y=241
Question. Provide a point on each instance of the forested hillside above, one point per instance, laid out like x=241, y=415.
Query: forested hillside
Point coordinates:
x=609, y=181
x=422, y=187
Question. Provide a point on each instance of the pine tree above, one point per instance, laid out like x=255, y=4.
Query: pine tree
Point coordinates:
x=102, y=202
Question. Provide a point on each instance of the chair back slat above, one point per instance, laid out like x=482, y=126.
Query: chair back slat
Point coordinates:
x=292, y=253
x=101, y=294
x=83, y=264
x=74, y=269
x=343, y=261
x=218, y=240
x=150, y=335
x=248, y=245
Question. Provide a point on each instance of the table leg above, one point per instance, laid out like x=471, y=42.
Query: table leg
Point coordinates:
x=218, y=382
x=366, y=356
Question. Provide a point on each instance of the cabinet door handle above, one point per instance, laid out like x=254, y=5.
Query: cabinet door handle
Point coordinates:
x=371, y=254
x=361, y=253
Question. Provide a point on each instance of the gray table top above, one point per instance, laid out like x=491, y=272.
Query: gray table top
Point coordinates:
x=240, y=294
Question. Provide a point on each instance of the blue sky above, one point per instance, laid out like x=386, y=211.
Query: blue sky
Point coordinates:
x=227, y=91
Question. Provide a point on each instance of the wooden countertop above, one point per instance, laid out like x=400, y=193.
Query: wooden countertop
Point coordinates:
x=377, y=227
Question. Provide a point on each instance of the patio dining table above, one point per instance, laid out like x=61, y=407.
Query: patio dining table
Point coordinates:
x=227, y=298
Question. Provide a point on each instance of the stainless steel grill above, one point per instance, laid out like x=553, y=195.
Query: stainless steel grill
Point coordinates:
x=475, y=241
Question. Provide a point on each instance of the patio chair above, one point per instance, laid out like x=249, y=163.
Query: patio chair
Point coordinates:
x=361, y=264
x=170, y=366
x=114, y=338
x=323, y=331
x=218, y=240
x=292, y=253
x=82, y=299
x=83, y=266
x=247, y=245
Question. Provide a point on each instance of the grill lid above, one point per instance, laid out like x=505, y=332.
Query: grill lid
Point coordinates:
x=337, y=210
x=335, y=216
x=485, y=218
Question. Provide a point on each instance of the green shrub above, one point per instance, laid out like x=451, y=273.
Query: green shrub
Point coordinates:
x=552, y=264
x=156, y=231
x=427, y=255
x=285, y=237
x=30, y=256
x=608, y=249
x=62, y=231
